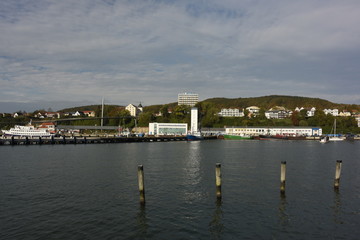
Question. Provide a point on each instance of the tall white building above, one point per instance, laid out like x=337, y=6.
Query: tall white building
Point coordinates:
x=194, y=120
x=189, y=99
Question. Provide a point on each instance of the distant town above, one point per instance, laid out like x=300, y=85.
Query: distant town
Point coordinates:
x=216, y=115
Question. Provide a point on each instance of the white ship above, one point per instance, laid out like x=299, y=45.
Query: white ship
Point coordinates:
x=27, y=131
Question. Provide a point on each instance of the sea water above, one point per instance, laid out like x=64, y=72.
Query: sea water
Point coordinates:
x=91, y=191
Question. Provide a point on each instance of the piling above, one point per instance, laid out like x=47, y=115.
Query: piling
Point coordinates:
x=12, y=140
x=337, y=174
x=40, y=141
x=52, y=140
x=141, y=183
x=27, y=140
x=283, y=177
x=218, y=180
x=64, y=140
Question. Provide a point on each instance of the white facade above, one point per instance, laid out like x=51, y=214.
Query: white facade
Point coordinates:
x=311, y=112
x=134, y=111
x=231, y=112
x=334, y=112
x=194, y=120
x=285, y=131
x=253, y=110
x=168, y=128
x=189, y=99
x=277, y=114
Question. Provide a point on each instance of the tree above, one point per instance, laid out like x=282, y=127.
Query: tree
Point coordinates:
x=145, y=119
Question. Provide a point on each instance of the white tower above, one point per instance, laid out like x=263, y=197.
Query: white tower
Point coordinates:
x=194, y=120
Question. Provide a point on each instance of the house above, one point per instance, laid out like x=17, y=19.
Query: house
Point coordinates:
x=311, y=112
x=78, y=114
x=49, y=126
x=345, y=114
x=334, y=112
x=134, y=110
x=253, y=111
x=52, y=114
x=89, y=113
x=231, y=112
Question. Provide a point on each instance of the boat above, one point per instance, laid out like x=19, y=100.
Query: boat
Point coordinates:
x=335, y=137
x=194, y=136
x=27, y=131
x=324, y=139
x=236, y=137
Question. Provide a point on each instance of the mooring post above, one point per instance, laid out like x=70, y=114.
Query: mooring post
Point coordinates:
x=64, y=140
x=12, y=140
x=218, y=180
x=283, y=177
x=337, y=174
x=52, y=139
x=141, y=183
x=40, y=140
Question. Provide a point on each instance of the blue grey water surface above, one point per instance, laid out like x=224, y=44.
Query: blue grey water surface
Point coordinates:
x=91, y=191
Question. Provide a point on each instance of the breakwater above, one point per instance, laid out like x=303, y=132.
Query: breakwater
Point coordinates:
x=89, y=139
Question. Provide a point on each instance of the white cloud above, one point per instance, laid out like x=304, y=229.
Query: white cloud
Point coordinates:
x=148, y=51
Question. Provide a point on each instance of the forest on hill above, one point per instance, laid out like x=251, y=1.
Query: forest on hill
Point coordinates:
x=289, y=102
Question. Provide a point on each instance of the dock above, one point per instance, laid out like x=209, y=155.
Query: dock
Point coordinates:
x=89, y=139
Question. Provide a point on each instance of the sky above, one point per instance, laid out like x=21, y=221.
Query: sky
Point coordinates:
x=56, y=54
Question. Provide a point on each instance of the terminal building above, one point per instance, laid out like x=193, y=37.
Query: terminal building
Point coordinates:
x=273, y=131
x=168, y=128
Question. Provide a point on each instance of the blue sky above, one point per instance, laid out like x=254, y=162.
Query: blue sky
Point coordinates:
x=65, y=53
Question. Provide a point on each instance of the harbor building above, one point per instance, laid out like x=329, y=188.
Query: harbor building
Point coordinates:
x=273, y=131
x=188, y=99
x=168, y=128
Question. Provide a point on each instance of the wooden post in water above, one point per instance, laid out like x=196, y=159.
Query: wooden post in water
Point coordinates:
x=337, y=174
x=141, y=183
x=40, y=141
x=283, y=177
x=218, y=180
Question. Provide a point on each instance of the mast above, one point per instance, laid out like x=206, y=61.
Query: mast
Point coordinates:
x=102, y=113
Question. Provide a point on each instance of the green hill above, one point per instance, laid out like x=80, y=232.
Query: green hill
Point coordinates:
x=289, y=102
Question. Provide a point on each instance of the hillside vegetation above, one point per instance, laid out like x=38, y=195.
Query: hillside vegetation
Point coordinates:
x=289, y=102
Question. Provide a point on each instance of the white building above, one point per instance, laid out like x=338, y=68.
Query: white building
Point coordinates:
x=168, y=128
x=194, y=128
x=134, y=110
x=311, y=112
x=253, y=110
x=285, y=131
x=334, y=112
x=189, y=99
x=278, y=114
x=231, y=112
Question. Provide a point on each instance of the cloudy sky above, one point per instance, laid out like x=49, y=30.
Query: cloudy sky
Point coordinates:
x=64, y=53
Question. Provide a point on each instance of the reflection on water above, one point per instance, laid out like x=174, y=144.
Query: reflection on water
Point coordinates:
x=216, y=225
x=192, y=173
x=141, y=221
x=337, y=207
x=283, y=215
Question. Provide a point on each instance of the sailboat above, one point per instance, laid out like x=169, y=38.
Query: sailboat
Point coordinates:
x=334, y=137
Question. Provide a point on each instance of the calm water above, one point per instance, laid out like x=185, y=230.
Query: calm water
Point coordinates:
x=91, y=192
